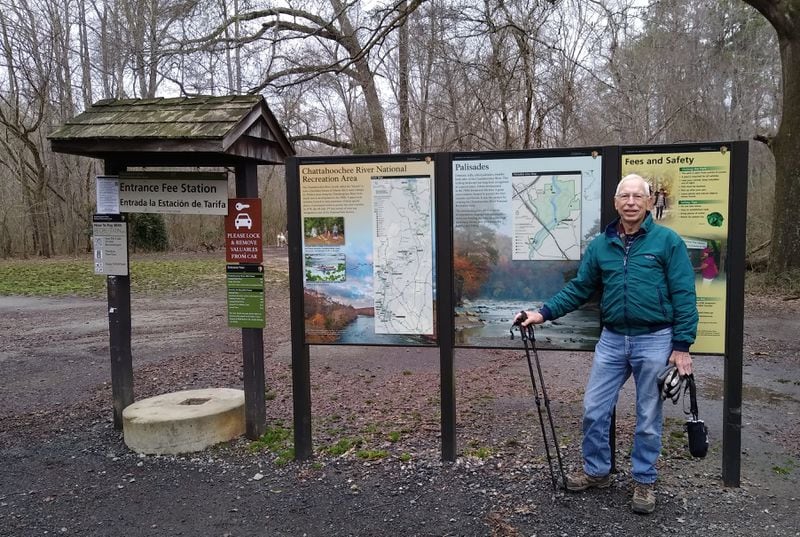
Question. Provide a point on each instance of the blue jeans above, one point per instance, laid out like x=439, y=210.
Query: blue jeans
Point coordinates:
x=617, y=356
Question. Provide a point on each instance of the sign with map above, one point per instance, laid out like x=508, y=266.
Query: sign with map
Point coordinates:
x=402, y=253
x=368, y=251
x=546, y=210
x=521, y=222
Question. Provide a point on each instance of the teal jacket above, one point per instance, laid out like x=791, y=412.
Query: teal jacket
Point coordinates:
x=645, y=287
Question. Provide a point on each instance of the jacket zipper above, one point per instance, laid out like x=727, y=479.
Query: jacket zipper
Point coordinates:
x=628, y=243
x=661, y=301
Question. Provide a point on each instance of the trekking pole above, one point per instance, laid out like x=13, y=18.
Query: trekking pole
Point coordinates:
x=547, y=405
x=529, y=342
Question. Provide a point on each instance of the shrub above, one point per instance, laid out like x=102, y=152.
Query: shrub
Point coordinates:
x=147, y=232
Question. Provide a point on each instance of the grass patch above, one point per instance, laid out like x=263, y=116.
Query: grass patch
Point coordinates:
x=784, y=469
x=76, y=277
x=393, y=436
x=342, y=446
x=372, y=454
x=674, y=441
x=405, y=457
x=479, y=453
x=372, y=428
x=48, y=277
x=278, y=440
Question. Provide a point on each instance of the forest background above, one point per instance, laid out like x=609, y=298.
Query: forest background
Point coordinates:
x=378, y=76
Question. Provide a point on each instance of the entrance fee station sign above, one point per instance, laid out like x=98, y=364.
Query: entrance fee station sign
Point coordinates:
x=243, y=237
x=173, y=192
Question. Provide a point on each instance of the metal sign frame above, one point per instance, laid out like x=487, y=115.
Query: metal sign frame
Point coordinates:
x=611, y=168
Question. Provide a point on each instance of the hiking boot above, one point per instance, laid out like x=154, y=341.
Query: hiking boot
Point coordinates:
x=644, y=498
x=581, y=481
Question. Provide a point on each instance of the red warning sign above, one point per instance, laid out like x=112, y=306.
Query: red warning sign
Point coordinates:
x=243, y=243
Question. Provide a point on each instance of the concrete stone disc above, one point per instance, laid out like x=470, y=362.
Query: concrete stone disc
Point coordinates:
x=184, y=422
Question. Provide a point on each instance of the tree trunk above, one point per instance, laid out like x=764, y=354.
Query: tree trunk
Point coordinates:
x=784, y=16
x=786, y=147
x=402, y=53
x=85, y=58
x=366, y=79
x=426, y=81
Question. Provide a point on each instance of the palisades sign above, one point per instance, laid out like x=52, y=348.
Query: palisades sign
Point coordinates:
x=165, y=192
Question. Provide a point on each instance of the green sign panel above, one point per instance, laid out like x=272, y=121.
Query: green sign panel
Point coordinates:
x=245, y=285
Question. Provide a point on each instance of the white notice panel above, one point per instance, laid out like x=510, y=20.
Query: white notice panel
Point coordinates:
x=110, y=240
x=107, y=190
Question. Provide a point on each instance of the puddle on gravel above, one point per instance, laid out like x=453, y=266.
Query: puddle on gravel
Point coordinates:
x=713, y=389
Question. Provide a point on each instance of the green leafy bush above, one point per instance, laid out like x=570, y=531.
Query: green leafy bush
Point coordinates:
x=147, y=232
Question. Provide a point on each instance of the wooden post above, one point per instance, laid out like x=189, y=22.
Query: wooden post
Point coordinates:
x=611, y=175
x=444, y=302
x=118, y=290
x=734, y=329
x=301, y=366
x=252, y=338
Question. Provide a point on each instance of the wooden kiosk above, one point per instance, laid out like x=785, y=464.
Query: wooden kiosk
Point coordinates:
x=238, y=132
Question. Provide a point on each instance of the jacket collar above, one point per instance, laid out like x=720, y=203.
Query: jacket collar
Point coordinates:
x=647, y=225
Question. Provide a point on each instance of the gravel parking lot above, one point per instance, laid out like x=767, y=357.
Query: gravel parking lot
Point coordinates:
x=64, y=469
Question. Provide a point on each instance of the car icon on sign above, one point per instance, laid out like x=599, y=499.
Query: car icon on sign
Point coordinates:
x=243, y=220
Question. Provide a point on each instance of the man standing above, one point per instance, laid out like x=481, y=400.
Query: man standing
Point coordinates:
x=649, y=318
x=660, y=203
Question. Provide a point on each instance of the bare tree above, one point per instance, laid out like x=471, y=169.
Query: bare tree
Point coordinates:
x=315, y=39
x=784, y=16
x=84, y=59
x=408, y=74
x=23, y=108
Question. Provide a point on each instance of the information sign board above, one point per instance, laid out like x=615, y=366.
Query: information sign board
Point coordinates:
x=691, y=189
x=521, y=222
x=368, y=250
x=245, y=286
x=107, y=194
x=110, y=242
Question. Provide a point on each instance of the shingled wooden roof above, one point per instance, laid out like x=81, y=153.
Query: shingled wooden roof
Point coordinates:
x=176, y=131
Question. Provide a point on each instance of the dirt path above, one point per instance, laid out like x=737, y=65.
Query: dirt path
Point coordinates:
x=64, y=470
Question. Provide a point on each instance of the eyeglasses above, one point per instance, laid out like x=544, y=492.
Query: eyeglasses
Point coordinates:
x=635, y=197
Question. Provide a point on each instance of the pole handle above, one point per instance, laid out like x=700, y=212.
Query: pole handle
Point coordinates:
x=526, y=332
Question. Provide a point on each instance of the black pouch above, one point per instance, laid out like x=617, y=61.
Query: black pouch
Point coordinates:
x=696, y=428
x=698, y=437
